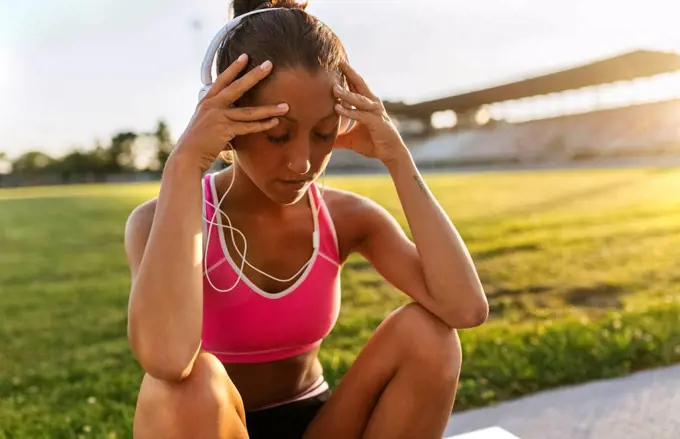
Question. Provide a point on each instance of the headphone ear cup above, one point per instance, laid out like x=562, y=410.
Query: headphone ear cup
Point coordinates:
x=203, y=91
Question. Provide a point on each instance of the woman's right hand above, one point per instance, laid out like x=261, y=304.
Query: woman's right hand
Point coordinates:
x=215, y=122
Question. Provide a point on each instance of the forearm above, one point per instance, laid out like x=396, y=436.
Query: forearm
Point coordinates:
x=448, y=269
x=166, y=298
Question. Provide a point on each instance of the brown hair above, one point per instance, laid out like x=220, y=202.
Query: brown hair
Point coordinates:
x=289, y=38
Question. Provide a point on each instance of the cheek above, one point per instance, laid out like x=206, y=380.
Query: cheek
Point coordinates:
x=322, y=157
x=323, y=147
x=257, y=158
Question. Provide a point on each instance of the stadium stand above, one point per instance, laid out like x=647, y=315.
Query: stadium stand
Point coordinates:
x=641, y=129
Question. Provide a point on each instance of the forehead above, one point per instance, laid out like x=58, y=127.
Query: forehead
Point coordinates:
x=307, y=93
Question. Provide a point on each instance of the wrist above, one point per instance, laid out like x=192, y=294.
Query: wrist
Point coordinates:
x=399, y=159
x=184, y=164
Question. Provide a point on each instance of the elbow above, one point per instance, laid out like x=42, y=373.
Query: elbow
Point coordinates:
x=167, y=373
x=471, y=315
x=476, y=316
x=163, y=364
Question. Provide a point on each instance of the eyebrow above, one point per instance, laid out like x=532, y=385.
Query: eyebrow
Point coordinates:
x=292, y=119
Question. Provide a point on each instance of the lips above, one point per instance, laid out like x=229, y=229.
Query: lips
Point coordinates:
x=295, y=183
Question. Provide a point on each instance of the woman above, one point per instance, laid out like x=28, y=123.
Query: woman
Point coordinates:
x=229, y=344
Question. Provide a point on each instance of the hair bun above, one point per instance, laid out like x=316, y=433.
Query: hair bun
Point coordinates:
x=241, y=7
x=291, y=4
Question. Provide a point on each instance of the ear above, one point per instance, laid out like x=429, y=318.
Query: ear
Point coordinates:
x=343, y=141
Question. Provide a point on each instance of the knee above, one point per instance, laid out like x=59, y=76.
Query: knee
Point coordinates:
x=209, y=386
x=189, y=404
x=428, y=342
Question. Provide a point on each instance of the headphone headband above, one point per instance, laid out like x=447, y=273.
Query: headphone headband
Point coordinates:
x=209, y=59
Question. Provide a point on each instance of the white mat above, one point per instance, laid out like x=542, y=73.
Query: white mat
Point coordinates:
x=487, y=433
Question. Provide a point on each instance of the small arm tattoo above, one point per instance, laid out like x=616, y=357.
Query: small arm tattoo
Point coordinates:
x=420, y=183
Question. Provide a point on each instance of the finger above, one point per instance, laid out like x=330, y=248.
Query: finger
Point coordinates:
x=247, y=114
x=355, y=99
x=358, y=115
x=238, y=88
x=243, y=128
x=343, y=102
x=355, y=79
x=227, y=76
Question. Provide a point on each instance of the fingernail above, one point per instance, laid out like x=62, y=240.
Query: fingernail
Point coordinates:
x=242, y=57
x=282, y=106
x=266, y=65
x=338, y=87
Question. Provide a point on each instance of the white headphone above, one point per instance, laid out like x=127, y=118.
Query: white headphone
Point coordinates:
x=207, y=80
x=207, y=66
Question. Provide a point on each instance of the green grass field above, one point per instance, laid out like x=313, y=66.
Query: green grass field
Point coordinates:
x=582, y=270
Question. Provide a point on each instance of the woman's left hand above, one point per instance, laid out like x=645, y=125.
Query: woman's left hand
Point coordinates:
x=374, y=135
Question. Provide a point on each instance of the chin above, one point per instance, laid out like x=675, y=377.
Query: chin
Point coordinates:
x=289, y=196
x=292, y=199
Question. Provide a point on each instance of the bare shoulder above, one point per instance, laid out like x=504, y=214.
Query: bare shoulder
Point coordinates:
x=137, y=229
x=341, y=202
x=140, y=219
x=355, y=216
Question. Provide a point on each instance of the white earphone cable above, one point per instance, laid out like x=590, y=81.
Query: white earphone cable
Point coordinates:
x=207, y=81
x=211, y=223
x=244, y=261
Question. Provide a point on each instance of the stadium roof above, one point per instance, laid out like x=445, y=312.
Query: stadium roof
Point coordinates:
x=629, y=66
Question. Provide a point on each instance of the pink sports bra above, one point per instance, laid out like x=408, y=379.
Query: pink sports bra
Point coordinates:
x=249, y=325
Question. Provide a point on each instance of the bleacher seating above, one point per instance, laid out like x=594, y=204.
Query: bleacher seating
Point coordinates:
x=635, y=130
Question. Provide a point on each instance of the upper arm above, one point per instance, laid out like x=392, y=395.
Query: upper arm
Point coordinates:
x=386, y=246
x=383, y=242
x=137, y=230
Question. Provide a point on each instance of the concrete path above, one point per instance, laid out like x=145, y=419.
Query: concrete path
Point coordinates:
x=642, y=405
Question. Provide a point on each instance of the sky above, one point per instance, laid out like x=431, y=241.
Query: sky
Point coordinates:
x=76, y=71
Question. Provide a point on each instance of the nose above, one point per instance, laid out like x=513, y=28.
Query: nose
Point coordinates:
x=298, y=159
x=300, y=167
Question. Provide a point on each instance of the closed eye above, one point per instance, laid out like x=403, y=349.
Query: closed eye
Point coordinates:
x=279, y=140
x=285, y=138
x=326, y=137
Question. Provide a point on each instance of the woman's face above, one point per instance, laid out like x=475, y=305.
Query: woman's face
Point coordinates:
x=283, y=161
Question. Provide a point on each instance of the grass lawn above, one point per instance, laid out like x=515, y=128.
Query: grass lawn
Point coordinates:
x=582, y=270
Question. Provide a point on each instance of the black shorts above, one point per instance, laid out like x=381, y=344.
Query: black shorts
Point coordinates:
x=287, y=421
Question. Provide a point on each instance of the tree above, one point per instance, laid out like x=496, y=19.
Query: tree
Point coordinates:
x=32, y=162
x=5, y=164
x=99, y=159
x=121, y=152
x=164, y=143
x=83, y=163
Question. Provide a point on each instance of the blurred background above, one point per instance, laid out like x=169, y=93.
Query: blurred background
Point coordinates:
x=549, y=131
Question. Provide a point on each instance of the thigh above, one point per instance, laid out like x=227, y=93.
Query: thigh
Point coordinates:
x=347, y=411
